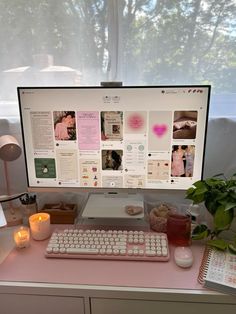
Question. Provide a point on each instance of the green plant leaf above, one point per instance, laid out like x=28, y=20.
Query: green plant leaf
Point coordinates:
x=200, y=190
x=221, y=196
x=218, y=243
x=222, y=218
x=232, y=194
x=232, y=248
x=211, y=204
x=231, y=183
x=190, y=191
x=200, y=232
x=199, y=184
x=196, y=195
x=227, y=205
x=215, y=182
x=198, y=198
x=218, y=175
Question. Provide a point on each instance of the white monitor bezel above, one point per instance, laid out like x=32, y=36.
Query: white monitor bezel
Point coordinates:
x=109, y=189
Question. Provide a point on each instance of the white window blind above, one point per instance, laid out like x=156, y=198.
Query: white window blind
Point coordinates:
x=84, y=42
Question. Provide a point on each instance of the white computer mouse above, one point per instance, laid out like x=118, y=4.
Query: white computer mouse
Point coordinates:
x=183, y=256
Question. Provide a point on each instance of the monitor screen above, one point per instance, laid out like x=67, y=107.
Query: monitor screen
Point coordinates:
x=114, y=137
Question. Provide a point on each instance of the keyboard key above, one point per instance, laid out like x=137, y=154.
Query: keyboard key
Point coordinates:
x=150, y=253
x=49, y=249
x=81, y=251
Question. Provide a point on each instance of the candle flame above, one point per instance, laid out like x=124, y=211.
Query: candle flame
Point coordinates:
x=19, y=234
x=40, y=218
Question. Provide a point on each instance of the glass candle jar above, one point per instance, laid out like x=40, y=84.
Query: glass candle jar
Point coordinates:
x=22, y=237
x=40, y=226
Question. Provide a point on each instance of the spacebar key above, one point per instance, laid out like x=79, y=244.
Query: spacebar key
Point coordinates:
x=81, y=251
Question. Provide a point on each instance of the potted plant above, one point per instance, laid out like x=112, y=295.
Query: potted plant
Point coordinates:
x=219, y=197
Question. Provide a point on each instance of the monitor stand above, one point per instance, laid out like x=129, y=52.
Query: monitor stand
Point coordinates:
x=108, y=209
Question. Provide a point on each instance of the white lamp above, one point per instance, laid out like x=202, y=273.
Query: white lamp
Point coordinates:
x=10, y=150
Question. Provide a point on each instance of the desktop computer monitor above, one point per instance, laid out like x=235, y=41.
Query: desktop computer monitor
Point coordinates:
x=114, y=138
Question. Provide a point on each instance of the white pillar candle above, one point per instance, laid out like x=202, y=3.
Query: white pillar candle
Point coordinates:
x=22, y=237
x=40, y=226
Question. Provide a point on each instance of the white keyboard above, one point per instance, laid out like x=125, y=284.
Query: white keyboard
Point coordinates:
x=109, y=244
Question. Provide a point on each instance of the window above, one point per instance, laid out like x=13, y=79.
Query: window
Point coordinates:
x=139, y=42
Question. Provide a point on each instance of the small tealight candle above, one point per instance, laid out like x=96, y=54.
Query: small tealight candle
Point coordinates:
x=22, y=237
x=40, y=226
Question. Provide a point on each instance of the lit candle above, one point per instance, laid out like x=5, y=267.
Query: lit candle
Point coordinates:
x=22, y=237
x=40, y=226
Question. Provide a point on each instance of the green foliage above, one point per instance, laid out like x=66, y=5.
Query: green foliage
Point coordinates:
x=222, y=218
x=219, y=196
x=218, y=243
x=200, y=232
x=232, y=248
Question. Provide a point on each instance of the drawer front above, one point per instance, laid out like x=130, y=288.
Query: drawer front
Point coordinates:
x=39, y=304
x=118, y=306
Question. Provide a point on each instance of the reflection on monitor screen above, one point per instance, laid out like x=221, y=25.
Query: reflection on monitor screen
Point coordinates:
x=116, y=138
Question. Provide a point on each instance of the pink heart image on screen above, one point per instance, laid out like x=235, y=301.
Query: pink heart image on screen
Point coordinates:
x=159, y=129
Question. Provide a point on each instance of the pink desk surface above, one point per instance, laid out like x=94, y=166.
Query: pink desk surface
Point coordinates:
x=30, y=265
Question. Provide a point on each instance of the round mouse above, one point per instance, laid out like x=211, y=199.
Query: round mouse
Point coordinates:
x=183, y=256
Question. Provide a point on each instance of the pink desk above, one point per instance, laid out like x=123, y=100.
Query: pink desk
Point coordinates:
x=30, y=265
x=31, y=283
